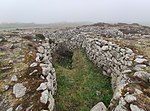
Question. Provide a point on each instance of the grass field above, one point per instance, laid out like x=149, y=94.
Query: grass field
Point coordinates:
x=81, y=86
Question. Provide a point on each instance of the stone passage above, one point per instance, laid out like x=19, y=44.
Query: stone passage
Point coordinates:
x=130, y=77
x=81, y=85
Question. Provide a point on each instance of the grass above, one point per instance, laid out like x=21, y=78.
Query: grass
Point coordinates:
x=82, y=86
x=2, y=54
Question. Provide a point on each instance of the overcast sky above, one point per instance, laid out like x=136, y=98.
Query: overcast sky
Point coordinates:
x=50, y=11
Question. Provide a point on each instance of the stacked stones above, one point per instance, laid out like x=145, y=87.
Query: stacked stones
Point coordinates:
x=113, y=59
x=49, y=87
x=122, y=64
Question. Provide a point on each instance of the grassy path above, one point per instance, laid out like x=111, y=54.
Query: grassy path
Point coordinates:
x=82, y=86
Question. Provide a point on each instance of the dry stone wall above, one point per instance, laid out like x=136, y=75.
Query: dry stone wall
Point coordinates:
x=129, y=71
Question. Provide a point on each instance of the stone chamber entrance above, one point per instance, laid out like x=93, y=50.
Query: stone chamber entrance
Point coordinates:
x=81, y=84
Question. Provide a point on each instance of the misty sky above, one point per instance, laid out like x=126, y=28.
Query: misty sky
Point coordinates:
x=50, y=11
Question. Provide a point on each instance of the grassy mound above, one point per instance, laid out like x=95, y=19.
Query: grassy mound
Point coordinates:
x=81, y=86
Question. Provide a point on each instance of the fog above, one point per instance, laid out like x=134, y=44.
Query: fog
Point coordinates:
x=52, y=11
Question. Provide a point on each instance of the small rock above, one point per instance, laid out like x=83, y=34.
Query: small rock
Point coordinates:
x=40, y=49
x=126, y=71
x=143, y=75
x=10, y=61
x=44, y=97
x=14, y=78
x=135, y=108
x=99, y=107
x=34, y=64
x=139, y=56
x=42, y=77
x=50, y=84
x=6, y=87
x=19, y=90
x=42, y=86
x=140, y=60
x=10, y=109
x=104, y=48
x=2, y=39
x=33, y=72
x=51, y=102
x=29, y=108
x=12, y=46
x=130, y=98
x=5, y=68
x=129, y=51
x=138, y=91
x=19, y=108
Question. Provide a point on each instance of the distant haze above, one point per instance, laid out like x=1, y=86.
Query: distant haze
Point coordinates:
x=52, y=11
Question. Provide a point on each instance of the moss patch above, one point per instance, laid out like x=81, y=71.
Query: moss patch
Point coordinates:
x=82, y=86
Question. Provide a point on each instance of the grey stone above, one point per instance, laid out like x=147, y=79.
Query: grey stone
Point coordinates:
x=6, y=87
x=129, y=51
x=99, y=107
x=19, y=90
x=14, y=78
x=34, y=64
x=130, y=98
x=42, y=86
x=33, y=72
x=137, y=91
x=135, y=108
x=143, y=75
x=50, y=84
x=104, y=48
x=19, y=108
x=140, y=60
x=44, y=97
x=10, y=109
x=126, y=71
x=41, y=49
x=51, y=102
x=29, y=108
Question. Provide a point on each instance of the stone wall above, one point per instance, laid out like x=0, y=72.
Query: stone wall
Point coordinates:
x=129, y=71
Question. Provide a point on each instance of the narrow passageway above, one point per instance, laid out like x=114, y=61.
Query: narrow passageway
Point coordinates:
x=80, y=84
